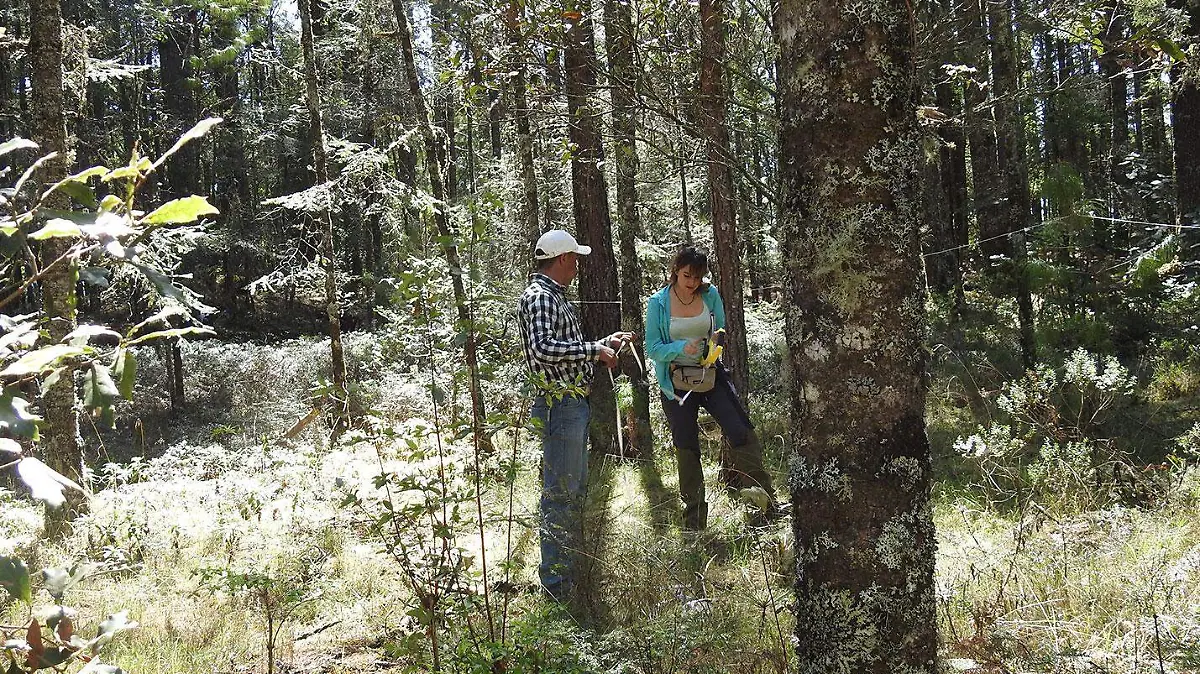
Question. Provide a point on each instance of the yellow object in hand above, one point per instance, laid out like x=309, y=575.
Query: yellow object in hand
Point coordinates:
x=715, y=344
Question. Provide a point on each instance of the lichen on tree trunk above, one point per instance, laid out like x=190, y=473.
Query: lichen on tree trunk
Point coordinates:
x=62, y=448
x=860, y=462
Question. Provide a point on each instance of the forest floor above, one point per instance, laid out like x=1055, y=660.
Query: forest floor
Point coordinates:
x=218, y=541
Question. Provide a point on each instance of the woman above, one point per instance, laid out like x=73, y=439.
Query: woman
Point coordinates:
x=680, y=319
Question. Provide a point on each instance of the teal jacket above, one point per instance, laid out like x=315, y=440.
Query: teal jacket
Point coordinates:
x=659, y=347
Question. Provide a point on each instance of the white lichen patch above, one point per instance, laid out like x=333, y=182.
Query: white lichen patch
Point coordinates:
x=811, y=393
x=827, y=477
x=856, y=338
x=895, y=543
x=816, y=352
x=906, y=468
x=862, y=386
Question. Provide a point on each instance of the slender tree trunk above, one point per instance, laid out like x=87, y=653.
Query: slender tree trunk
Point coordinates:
x=6, y=78
x=328, y=252
x=860, y=476
x=712, y=105
x=618, y=31
x=947, y=187
x=446, y=237
x=589, y=191
x=1114, y=71
x=518, y=92
x=981, y=134
x=63, y=447
x=1010, y=136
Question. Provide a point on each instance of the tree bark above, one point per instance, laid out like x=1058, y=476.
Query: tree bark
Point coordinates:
x=63, y=448
x=175, y=51
x=441, y=220
x=713, y=102
x=328, y=252
x=860, y=476
x=618, y=31
x=981, y=133
x=518, y=93
x=1185, y=125
x=1010, y=141
x=589, y=191
x=1114, y=71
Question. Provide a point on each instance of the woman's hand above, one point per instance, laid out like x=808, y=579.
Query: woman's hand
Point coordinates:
x=692, y=348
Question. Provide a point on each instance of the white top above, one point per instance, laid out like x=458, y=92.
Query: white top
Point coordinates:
x=690, y=328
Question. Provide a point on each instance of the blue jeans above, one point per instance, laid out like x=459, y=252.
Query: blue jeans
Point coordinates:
x=564, y=427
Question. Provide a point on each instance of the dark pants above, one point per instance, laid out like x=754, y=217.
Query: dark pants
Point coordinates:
x=745, y=456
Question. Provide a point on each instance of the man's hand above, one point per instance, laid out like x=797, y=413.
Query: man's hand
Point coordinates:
x=692, y=348
x=608, y=356
x=618, y=339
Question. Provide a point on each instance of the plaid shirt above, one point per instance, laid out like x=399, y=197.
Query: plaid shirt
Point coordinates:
x=553, y=340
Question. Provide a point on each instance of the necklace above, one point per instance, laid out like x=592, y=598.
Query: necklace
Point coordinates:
x=686, y=304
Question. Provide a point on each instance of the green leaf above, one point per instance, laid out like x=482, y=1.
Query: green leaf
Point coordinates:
x=84, y=333
x=166, y=287
x=79, y=192
x=125, y=370
x=117, y=622
x=1171, y=49
x=198, y=131
x=108, y=225
x=15, y=417
x=110, y=203
x=55, y=581
x=45, y=484
x=180, y=211
x=16, y=144
x=56, y=227
x=97, y=276
x=14, y=578
x=99, y=390
x=170, y=334
x=135, y=169
x=42, y=359
x=76, y=185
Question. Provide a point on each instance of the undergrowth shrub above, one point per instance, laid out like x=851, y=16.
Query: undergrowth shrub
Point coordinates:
x=1049, y=441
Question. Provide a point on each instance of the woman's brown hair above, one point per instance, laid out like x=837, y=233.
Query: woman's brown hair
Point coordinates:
x=689, y=257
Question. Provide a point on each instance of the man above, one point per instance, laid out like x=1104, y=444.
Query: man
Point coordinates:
x=561, y=363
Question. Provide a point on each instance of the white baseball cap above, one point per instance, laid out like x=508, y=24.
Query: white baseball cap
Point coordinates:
x=558, y=242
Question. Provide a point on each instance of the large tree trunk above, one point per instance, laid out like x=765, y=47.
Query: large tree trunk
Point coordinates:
x=175, y=52
x=589, y=191
x=321, y=165
x=63, y=447
x=618, y=31
x=441, y=220
x=712, y=105
x=1185, y=124
x=860, y=477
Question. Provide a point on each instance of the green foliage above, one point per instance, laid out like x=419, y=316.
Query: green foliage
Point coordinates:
x=47, y=637
x=106, y=232
x=277, y=593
